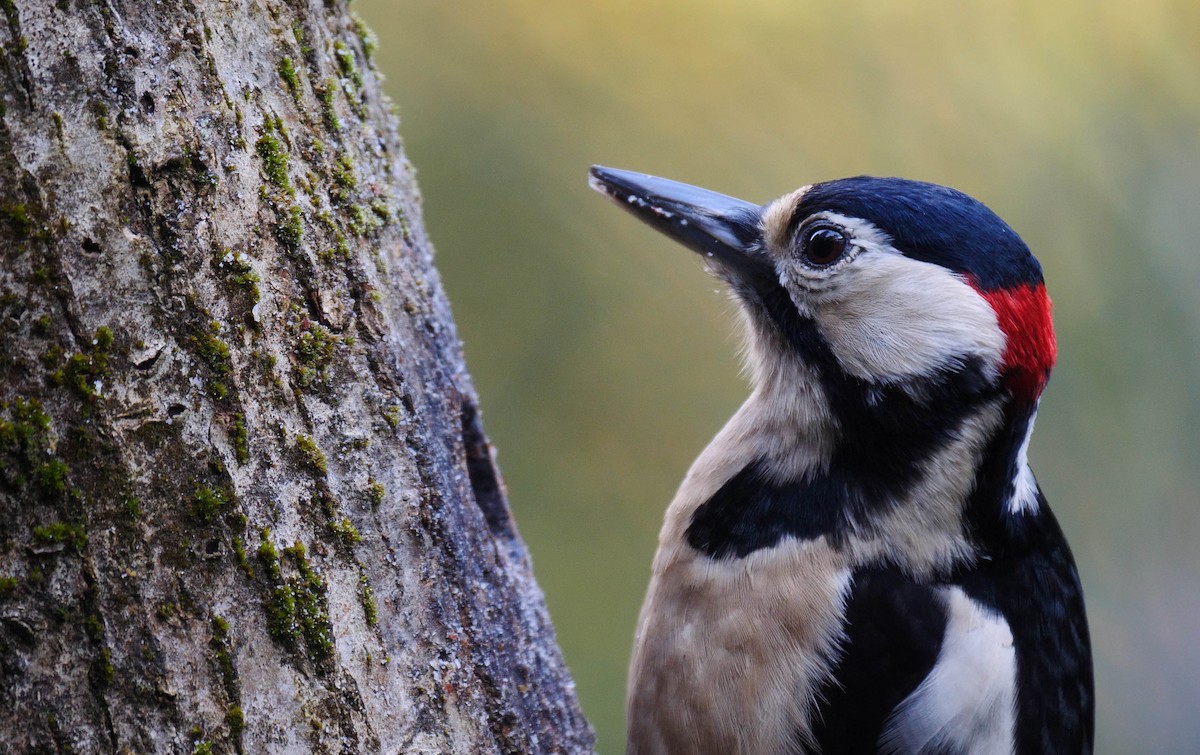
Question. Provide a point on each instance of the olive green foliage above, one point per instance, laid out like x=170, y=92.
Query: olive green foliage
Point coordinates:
x=290, y=230
x=221, y=644
x=341, y=526
x=52, y=476
x=239, y=554
x=281, y=607
x=133, y=507
x=102, y=668
x=344, y=178
x=366, y=38
x=239, y=272
x=391, y=415
x=41, y=326
x=345, y=530
x=236, y=720
x=329, y=115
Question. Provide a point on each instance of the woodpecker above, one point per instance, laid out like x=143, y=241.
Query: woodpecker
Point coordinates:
x=861, y=561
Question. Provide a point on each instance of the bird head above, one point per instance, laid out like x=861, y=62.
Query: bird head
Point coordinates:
x=882, y=281
x=899, y=340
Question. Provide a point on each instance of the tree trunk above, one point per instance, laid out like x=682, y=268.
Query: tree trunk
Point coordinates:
x=246, y=501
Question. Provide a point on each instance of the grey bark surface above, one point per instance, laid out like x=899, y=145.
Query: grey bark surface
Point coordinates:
x=246, y=503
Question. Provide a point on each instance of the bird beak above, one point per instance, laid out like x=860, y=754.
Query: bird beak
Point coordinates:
x=720, y=228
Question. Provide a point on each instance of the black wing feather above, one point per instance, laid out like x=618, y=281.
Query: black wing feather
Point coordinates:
x=894, y=628
x=1035, y=586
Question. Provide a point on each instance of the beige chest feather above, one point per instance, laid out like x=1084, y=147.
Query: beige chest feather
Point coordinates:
x=723, y=643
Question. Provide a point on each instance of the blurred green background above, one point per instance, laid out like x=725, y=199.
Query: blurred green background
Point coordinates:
x=606, y=359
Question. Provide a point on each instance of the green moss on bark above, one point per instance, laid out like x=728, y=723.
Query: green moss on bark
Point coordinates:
x=313, y=455
x=8, y=586
x=297, y=610
x=315, y=348
x=375, y=491
x=215, y=354
x=366, y=597
x=17, y=216
x=207, y=503
x=347, y=64
x=85, y=371
x=61, y=532
x=241, y=442
x=291, y=79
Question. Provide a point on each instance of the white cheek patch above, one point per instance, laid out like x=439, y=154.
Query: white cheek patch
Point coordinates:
x=888, y=317
x=968, y=701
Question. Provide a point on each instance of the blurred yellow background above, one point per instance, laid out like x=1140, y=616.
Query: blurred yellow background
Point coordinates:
x=606, y=359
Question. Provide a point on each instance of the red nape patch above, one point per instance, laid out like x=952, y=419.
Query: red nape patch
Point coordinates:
x=1024, y=315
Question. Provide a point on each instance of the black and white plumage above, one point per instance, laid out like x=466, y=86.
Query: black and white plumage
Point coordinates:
x=861, y=561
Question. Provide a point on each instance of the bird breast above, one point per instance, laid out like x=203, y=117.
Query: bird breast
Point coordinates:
x=725, y=642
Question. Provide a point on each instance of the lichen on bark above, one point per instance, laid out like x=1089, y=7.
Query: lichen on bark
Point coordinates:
x=246, y=503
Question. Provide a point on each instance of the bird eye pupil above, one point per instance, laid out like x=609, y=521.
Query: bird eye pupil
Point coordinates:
x=824, y=245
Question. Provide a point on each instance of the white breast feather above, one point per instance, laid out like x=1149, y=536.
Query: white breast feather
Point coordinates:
x=967, y=703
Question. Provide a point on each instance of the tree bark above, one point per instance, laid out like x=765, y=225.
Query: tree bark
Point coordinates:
x=246, y=501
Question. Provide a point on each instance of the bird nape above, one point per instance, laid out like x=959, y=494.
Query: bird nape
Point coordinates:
x=862, y=561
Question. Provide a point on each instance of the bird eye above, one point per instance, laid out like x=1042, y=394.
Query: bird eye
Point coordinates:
x=823, y=245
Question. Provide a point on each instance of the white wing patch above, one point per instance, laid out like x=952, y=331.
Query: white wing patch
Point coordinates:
x=968, y=701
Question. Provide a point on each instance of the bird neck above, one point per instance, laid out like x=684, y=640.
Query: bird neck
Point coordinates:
x=1006, y=494
x=929, y=470
x=932, y=473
